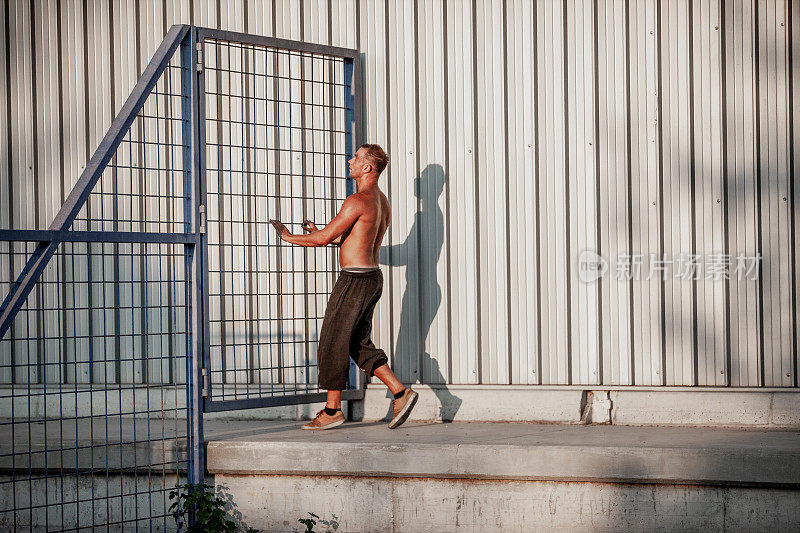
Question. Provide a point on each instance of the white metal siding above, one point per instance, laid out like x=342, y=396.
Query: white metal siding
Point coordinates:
x=520, y=134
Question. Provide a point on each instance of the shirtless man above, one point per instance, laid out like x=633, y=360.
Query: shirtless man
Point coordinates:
x=358, y=229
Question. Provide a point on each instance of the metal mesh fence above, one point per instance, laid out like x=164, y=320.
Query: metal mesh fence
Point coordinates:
x=110, y=314
x=93, y=397
x=276, y=147
x=93, y=369
x=145, y=187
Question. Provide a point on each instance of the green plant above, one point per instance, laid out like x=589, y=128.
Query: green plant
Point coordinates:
x=210, y=515
x=330, y=525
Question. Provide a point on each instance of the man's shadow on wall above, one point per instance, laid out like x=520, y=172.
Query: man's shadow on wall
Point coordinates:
x=423, y=295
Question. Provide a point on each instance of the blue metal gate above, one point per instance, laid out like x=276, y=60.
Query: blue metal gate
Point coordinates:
x=280, y=120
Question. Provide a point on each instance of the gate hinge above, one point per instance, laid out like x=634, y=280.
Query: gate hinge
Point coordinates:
x=205, y=382
x=199, y=57
x=202, y=219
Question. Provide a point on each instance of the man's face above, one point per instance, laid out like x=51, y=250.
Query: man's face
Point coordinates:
x=358, y=164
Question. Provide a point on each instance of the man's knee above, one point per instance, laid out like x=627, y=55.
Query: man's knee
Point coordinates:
x=371, y=364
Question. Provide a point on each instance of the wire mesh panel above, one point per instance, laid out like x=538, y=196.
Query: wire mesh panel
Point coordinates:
x=93, y=395
x=278, y=137
x=96, y=360
x=145, y=186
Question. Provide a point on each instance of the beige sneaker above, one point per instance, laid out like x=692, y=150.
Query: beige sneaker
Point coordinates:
x=402, y=407
x=325, y=421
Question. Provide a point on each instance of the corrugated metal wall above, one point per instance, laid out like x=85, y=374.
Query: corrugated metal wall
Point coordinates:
x=520, y=135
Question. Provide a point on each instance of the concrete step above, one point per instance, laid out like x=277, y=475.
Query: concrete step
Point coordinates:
x=510, y=451
x=508, y=476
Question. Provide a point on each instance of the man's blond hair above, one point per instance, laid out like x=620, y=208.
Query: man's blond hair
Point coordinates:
x=376, y=157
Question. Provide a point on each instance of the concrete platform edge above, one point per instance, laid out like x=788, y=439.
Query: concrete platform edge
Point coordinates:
x=683, y=407
x=702, y=466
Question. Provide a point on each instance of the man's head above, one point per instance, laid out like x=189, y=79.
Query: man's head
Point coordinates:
x=370, y=158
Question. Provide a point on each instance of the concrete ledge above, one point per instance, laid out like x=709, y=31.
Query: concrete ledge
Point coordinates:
x=685, y=406
x=467, y=404
x=513, y=451
x=102, y=444
x=707, y=408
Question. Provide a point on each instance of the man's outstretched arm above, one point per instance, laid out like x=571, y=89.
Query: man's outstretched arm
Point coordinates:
x=344, y=220
x=310, y=227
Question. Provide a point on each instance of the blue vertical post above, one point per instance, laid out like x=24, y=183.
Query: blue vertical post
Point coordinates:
x=356, y=377
x=193, y=176
x=349, y=120
x=204, y=362
x=354, y=374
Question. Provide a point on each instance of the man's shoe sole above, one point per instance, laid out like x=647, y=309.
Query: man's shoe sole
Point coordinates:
x=400, y=418
x=329, y=426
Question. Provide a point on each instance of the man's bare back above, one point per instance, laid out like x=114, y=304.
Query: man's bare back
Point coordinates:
x=361, y=242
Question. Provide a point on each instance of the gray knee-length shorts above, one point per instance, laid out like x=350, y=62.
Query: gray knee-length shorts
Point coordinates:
x=347, y=328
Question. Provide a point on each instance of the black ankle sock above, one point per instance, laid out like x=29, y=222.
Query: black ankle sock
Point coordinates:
x=399, y=394
x=331, y=412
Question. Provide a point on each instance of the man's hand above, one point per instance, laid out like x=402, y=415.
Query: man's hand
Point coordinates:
x=309, y=226
x=283, y=232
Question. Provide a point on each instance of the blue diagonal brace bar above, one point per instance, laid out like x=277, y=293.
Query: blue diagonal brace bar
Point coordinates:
x=97, y=164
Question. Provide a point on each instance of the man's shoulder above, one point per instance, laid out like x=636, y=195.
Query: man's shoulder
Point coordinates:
x=366, y=204
x=356, y=199
x=356, y=204
x=366, y=199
